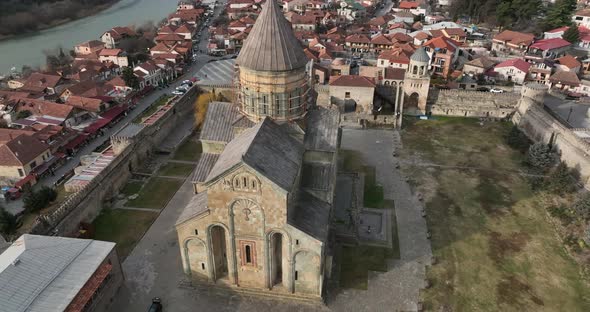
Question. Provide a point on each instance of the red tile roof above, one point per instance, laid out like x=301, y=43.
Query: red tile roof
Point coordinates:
x=568, y=61
x=110, y=52
x=84, y=103
x=515, y=38
x=21, y=150
x=408, y=5
x=549, y=44
x=44, y=108
x=517, y=63
x=352, y=81
x=358, y=38
x=442, y=43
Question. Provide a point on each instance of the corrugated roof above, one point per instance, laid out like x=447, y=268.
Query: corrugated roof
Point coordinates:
x=44, y=273
x=267, y=148
x=204, y=166
x=218, y=122
x=311, y=216
x=272, y=45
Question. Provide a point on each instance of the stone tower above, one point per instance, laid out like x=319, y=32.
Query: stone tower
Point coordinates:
x=272, y=70
x=416, y=83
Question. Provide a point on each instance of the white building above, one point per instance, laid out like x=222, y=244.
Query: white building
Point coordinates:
x=48, y=273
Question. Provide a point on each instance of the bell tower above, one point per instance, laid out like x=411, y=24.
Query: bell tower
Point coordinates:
x=417, y=83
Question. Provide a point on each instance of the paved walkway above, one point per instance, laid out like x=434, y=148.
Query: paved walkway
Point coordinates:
x=398, y=289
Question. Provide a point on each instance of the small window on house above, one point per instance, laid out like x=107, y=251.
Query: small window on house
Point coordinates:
x=248, y=254
x=347, y=95
x=196, y=232
x=20, y=172
x=202, y=266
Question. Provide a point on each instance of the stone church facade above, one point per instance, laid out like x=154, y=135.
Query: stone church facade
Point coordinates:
x=264, y=185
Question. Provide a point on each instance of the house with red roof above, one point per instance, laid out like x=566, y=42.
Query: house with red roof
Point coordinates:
x=396, y=58
x=443, y=53
x=43, y=83
x=582, y=18
x=358, y=43
x=515, y=70
x=512, y=42
x=415, y=7
x=568, y=63
x=546, y=49
x=20, y=155
x=112, y=37
x=116, y=56
x=353, y=93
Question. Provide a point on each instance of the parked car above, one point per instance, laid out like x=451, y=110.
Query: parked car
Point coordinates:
x=176, y=92
x=494, y=90
x=156, y=305
x=187, y=82
x=483, y=89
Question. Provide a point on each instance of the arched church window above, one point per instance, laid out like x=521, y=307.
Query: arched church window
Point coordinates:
x=244, y=182
x=248, y=254
x=253, y=185
x=415, y=70
x=236, y=183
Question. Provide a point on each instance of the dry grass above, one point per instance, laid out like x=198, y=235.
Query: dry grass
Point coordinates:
x=495, y=248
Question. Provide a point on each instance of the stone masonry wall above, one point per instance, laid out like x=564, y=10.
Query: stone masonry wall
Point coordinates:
x=472, y=103
x=540, y=126
x=86, y=204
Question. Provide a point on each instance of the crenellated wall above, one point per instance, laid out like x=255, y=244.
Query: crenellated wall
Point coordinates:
x=472, y=103
x=86, y=204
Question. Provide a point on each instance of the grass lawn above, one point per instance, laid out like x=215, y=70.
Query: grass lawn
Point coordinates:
x=495, y=248
x=152, y=108
x=132, y=187
x=124, y=227
x=188, y=151
x=156, y=193
x=173, y=169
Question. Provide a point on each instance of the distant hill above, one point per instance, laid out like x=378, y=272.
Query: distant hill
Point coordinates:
x=24, y=16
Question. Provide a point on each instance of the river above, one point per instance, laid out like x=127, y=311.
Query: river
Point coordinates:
x=28, y=50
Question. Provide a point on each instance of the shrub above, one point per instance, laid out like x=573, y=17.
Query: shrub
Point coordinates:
x=561, y=180
x=539, y=156
x=582, y=206
x=517, y=139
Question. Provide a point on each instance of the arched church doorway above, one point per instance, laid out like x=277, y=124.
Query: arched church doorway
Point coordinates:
x=411, y=102
x=276, y=243
x=219, y=251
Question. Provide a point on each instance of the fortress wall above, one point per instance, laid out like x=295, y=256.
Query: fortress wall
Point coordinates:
x=86, y=204
x=472, y=103
x=540, y=126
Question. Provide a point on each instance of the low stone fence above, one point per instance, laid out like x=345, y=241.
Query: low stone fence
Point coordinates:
x=86, y=204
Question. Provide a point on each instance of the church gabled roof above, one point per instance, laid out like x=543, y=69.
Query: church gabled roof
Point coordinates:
x=268, y=149
x=272, y=45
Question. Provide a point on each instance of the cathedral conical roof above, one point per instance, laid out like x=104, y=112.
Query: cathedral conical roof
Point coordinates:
x=272, y=45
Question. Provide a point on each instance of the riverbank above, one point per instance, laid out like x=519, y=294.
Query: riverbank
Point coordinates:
x=58, y=22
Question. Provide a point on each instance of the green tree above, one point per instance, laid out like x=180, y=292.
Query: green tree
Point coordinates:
x=37, y=200
x=560, y=14
x=561, y=180
x=540, y=156
x=572, y=34
x=8, y=222
x=517, y=139
x=517, y=12
x=23, y=114
x=130, y=79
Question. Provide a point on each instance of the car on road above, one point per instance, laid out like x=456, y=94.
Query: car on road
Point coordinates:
x=483, y=89
x=187, y=82
x=156, y=305
x=177, y=92
x=494, y=90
